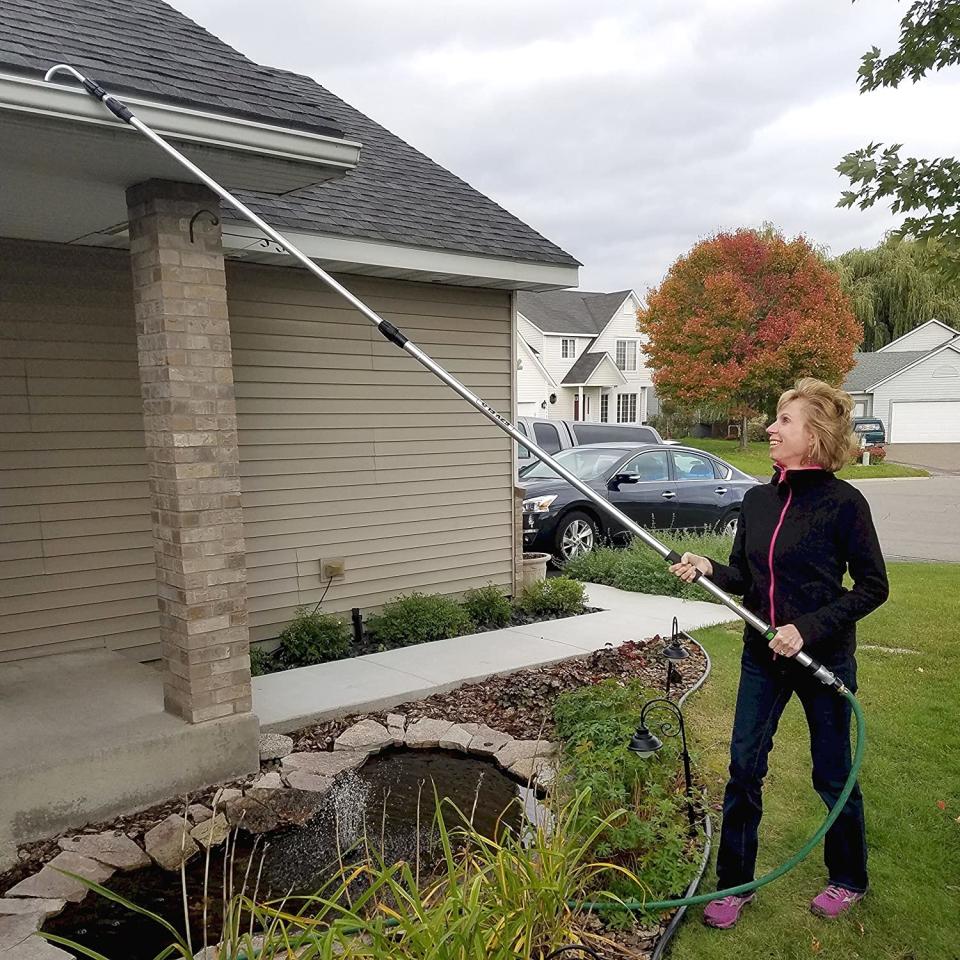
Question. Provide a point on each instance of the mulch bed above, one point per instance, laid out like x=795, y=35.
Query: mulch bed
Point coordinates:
x=518, y=703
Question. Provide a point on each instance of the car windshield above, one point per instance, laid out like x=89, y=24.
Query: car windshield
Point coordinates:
x=583, y=462
x=867, y=425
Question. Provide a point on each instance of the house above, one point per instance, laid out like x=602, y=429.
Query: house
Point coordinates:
x=580, y=357
x=912, y=384
x=191, y=424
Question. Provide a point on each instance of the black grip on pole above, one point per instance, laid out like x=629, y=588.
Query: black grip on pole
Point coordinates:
x=115, y=106
x=392, y=333
x=94, y=88
x=674, y=557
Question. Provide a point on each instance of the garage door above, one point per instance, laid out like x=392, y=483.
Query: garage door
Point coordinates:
x=926, y=421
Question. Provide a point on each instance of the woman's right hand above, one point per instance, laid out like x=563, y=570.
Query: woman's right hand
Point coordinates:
x=688, y=567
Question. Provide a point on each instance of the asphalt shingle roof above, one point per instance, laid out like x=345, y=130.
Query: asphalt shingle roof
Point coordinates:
x=146, y=47
x=585, y=365
x=871, y=368
x=570, y=311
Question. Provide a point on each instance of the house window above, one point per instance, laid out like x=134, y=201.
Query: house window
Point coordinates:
x=627, y=354
x=604, y=407
x=629, y=309
x=568, y=349
x=626, y=408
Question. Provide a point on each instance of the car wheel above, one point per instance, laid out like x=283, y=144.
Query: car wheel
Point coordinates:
x=727, y=525
x=576, y=535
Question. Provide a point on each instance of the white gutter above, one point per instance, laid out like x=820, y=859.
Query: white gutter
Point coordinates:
x=24, y=95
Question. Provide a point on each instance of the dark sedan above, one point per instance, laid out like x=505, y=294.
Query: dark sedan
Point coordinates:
x=658, y=487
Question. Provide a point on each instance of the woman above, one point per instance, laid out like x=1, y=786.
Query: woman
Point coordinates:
x=796, y=537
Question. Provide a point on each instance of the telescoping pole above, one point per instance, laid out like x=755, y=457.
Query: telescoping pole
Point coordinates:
x=122, y=112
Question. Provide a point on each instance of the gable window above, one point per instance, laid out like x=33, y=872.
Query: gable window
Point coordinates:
x=629, y=309
x=626, y=408
x=627, y=354
x=604, y=407
x=568, y=349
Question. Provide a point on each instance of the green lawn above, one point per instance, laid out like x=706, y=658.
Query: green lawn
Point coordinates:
x=755, y=461
x=912, y=765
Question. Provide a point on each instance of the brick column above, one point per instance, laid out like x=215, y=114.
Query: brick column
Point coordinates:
x=190, y=423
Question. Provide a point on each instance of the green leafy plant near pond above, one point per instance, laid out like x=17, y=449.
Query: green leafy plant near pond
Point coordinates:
x=313, y=637
x=556, y=597
x=419, y=618
x=488, y=607
x=640, y=800
x=638, y=569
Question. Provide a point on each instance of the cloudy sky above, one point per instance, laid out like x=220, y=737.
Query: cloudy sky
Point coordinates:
x=623, y=130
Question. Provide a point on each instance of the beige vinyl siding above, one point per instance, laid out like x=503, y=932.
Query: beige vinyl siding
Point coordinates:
x=350, y=449
x=76, y=549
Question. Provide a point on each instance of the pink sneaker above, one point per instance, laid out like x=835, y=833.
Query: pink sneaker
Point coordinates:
x=834, y=901
x=725, y=912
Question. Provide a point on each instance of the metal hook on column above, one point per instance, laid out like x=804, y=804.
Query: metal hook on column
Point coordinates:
x=214, y=220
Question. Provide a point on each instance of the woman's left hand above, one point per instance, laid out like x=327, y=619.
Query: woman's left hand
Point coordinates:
x=787, y=642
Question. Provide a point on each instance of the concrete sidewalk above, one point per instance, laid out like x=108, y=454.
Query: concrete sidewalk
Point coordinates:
x=293, y=698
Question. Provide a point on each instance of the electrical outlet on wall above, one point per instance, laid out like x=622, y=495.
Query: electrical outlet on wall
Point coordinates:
x=330, y=569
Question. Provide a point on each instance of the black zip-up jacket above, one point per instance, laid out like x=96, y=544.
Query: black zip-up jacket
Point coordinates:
x=796, y=537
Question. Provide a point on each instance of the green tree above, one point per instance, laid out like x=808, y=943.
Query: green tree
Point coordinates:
x=927, y=190
x=897, y=286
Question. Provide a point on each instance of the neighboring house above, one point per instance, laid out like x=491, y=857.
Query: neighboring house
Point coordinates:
x=191, y=423
x=912, y=385
x=580, y=357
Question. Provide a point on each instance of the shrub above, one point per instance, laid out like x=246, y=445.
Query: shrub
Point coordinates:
x=556, y=597
x=261, y=662
x=313, y=637
x=419, y=618
x=641, y=800
x=877, y=453
x=487, y=606
x=600, y=565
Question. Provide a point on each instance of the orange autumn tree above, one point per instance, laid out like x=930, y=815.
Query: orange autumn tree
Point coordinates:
x=741, y=317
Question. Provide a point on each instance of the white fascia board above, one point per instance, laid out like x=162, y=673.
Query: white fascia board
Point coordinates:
x=25, y=95
x=420, y=260
x=953, y=345
x=544, y=372
x=910, y=333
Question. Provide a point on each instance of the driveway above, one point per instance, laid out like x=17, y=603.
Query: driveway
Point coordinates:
x=917, y=519
x=935, y=457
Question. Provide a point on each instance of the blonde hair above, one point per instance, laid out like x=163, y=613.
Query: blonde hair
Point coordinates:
x=828, y=412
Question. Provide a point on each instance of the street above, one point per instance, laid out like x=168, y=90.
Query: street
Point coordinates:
x=916, y=519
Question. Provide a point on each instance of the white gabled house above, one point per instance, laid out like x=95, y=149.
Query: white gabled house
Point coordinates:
x=580, y=357
x=912, y=385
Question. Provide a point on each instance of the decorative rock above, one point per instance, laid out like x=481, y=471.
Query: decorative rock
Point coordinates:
x=426, y=733
x=35, y=948
x=49, y=908
x=275, y=746
x=534, y=769
x=367, y=735
x=487, y=741
x=113, y=849
x=169, y=843
x=516, y=750
x=456, y=738
x=299, y=780
x=290, y=806
x=268, y=781
x=251, y=815
x=51, y=884
x=323, y=763
x=15, y=928
x=212, y=832
x=197, y=813
x=472, y=728
x=225, y=795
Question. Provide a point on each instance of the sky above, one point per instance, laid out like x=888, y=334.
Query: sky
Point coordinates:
x=623, y=130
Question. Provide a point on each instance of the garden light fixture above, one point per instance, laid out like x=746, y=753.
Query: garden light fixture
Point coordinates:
x=646, y=744
x=673, y=653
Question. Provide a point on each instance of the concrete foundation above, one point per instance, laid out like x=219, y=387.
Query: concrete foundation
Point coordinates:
x=84, y=737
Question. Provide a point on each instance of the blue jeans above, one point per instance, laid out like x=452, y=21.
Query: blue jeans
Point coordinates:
x=766, y=686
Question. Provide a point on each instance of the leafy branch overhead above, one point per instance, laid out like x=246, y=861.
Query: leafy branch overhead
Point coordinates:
x=927, y=190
